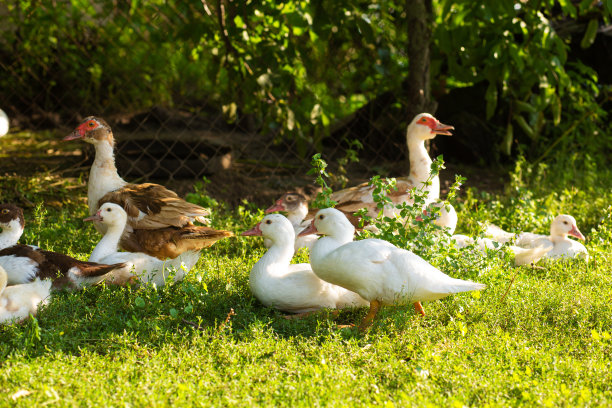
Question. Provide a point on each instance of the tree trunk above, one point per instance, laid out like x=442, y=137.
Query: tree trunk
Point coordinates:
x=417, y=87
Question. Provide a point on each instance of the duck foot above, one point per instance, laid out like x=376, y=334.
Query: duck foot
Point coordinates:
x=419, y=308
x=367, y=321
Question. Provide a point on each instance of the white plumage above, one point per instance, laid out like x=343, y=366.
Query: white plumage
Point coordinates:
x=557, y=243
x=4, y=123
x=292, y=287
x=17, y=302
x=375, y=269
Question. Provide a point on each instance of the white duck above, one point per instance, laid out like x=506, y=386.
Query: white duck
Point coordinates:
x=147, y=268
x=160, y=223
x=522, y=256
x=423, y=127
x=375, y=269
x=17, y=302
x=558, y=243
x=291, y=287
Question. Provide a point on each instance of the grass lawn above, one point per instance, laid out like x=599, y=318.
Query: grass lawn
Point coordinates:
x=535, y=336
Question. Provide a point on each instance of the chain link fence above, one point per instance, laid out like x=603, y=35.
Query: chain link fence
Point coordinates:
x=128, y=63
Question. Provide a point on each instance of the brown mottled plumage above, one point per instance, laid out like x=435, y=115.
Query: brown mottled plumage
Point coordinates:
x=160, y=223
x=163, y=207
x=170, y=242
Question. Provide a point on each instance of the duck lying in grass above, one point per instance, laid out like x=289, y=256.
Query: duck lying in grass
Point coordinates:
x=138, y=265
x=558, y=244
x=17, y=302
x=289, y=287
x=522, y=256
x=375, y=269
x=25, y=263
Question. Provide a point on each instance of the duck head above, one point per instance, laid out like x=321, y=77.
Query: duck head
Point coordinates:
x=274, y=227
x=92, y=130
x=290, y=202
x=11, y=217
x=424, y=127
x=331, y=222
x=564, y=225
x=109, y=214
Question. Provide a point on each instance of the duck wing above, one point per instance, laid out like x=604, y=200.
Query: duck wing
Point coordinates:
x=152, y=206
x=170, y=242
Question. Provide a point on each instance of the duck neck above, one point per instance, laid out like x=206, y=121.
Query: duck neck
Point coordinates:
x=420, y=166
x=279, y=254
x=557, y=237
x=108, y=244
x=10, y=235
x=296, y=217
x=103, y=176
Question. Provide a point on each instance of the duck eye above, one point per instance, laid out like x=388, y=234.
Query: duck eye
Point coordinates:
x=108, y=209
x=423, y=120
x=5, y=211
x=321, y=217
x=91, y=123
x=565, y=222
x=268, y=222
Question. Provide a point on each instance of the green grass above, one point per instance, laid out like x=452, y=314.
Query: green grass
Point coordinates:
x=535, y=336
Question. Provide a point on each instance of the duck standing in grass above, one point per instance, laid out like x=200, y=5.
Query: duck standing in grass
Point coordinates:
x=375, y=269
x=289, y=287
x=138, y=265
x=25, y=263
x=17, y=302
x=159, y=223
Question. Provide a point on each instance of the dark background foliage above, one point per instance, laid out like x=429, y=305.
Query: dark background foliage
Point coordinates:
x=286, y=79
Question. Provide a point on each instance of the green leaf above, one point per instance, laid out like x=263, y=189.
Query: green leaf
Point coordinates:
x=590, y=33
x=139, y=302
x=174, y=313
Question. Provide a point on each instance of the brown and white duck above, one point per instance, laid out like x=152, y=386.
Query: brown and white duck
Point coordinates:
x=160, y=223
x=423, y=127
x=17, y=302
x=26, y=263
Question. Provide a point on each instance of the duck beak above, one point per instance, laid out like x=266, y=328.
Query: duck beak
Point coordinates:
x=278, y=206
x=442, y=129
x=77, y=133
x=311, y=229
x=95, y=217
x=574, y=232
x=255, y=231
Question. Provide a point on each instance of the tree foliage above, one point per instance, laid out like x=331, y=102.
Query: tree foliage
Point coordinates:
x=296, y=69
